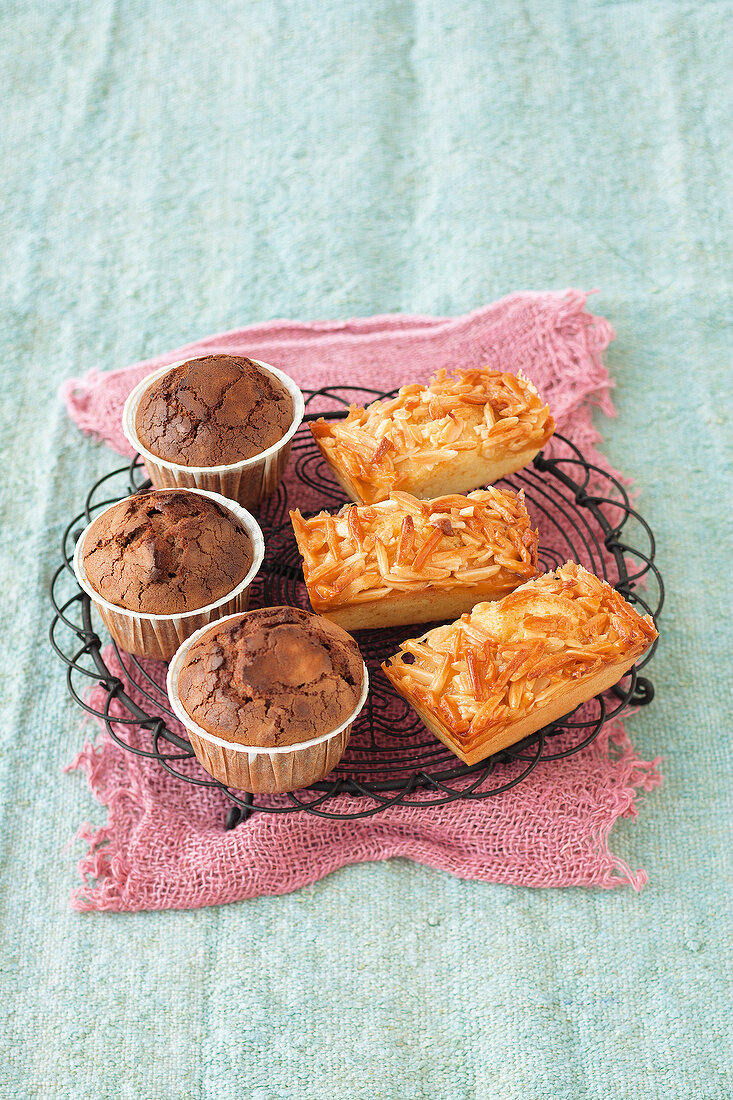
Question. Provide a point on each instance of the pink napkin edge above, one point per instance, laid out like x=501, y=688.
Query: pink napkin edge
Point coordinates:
x=106, y=872
x=75, y=392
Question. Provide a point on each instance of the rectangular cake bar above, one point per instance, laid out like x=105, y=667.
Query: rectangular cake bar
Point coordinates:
x=405, y=560
x=463, y=430
x=509, y=668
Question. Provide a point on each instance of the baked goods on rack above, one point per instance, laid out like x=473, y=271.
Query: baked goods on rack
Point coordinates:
x=213, y=411
x=268, y=698
x=405, y=560
x=464, y=429
x=160, y=565
x=166, y=552
x=222, y=423
x=509, y=668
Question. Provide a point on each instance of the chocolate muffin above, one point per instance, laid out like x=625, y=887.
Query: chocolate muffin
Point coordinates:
x=272, y=677
x=213, y=411
x=166, y=552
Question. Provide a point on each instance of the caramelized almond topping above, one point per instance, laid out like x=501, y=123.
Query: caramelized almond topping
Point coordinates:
x=427, y=548
x=384, y=446
x=405, y=545
x=355, y=526
x=490, y=667
x=378, y=447
x=476, y=685
x=407, y=540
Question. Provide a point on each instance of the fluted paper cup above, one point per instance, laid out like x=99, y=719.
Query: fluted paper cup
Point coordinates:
x=248, y=481
x=159, y=636
x=254, y=768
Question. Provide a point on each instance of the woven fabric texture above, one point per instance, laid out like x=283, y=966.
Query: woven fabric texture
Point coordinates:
x=165, y=845
x=186, y=167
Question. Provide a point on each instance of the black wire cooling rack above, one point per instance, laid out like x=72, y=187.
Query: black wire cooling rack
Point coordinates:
x=583, y=514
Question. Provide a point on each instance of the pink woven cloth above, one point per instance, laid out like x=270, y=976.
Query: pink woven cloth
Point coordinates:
x=165, y=844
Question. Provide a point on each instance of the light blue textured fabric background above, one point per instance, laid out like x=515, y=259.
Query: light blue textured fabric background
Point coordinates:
x=177, y=168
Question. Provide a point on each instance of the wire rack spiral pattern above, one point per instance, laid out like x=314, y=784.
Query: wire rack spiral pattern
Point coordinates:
x=583, y=514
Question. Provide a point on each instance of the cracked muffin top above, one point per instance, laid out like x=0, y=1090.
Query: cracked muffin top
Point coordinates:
x=166, y=552
x=213, y=411
x=275, y=676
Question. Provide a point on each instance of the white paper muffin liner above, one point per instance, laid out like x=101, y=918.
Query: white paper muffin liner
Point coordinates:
x=159, y=636
x=248, y=481
x=250, y=767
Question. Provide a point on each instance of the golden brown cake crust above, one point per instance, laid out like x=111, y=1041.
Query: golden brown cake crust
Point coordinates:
x=405, y=550
x=507, y=668
x=166, y=552
x=462, y=430
x=213, y=411
x=274, y=676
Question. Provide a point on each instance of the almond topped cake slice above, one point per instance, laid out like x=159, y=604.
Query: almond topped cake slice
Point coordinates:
x=510, y=668
x=463, y=430
x=405, y=560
